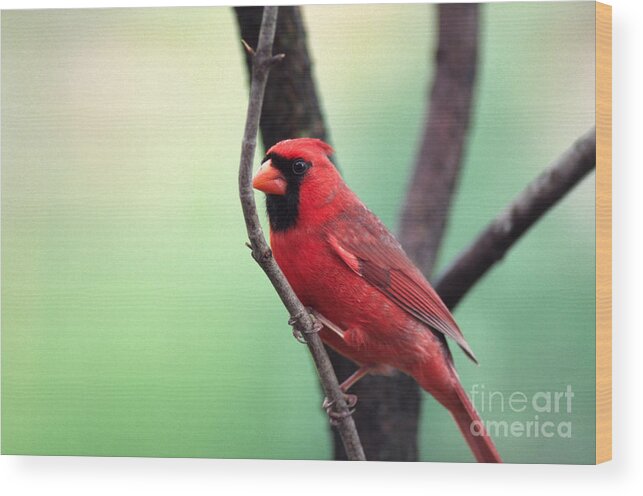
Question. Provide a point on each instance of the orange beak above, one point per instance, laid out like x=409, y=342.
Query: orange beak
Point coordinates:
x=269, y=180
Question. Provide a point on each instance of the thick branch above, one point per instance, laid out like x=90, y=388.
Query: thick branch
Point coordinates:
x=498, y=237
x=300, y=319
x=439, y=158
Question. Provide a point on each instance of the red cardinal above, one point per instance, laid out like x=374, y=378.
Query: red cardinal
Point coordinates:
x=376, y=306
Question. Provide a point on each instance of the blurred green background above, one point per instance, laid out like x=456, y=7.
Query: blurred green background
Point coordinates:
x=134, y=320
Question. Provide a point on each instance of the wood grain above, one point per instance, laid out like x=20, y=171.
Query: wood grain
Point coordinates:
x=603, y=232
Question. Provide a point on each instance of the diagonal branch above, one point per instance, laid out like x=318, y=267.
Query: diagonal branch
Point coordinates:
x=300, y=318
x=498, y=237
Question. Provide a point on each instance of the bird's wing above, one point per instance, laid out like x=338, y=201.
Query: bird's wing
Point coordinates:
x=371, y=251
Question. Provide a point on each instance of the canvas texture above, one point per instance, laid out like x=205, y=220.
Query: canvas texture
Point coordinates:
x=136, y=323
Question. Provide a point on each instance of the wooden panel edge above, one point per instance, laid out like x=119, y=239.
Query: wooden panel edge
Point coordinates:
x=603, y=232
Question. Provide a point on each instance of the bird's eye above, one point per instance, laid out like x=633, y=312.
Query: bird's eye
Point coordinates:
x=299, y=167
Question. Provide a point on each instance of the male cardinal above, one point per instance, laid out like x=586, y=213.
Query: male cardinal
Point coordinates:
x=376, y=306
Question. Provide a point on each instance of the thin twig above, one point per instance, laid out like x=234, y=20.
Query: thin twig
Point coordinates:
x=300, y=319
x=497, y=238
x=249, y=50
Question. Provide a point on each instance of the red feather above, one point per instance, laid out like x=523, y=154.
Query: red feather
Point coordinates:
x=378, y=257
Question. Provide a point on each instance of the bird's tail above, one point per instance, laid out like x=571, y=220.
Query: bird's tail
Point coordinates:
x=443, y=384
x=473, y=429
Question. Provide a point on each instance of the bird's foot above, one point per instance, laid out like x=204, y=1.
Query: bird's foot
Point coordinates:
x=336, y=417
x=297, y=333
x=298, y=336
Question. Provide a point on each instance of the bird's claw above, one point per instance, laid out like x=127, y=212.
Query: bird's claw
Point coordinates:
x=351, y=401
x=298, y=336
x=317, y=324
x=336, y=417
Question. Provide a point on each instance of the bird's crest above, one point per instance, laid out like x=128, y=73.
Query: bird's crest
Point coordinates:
x=293, y=148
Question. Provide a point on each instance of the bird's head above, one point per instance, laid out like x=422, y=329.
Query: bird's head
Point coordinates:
x=299, y=180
